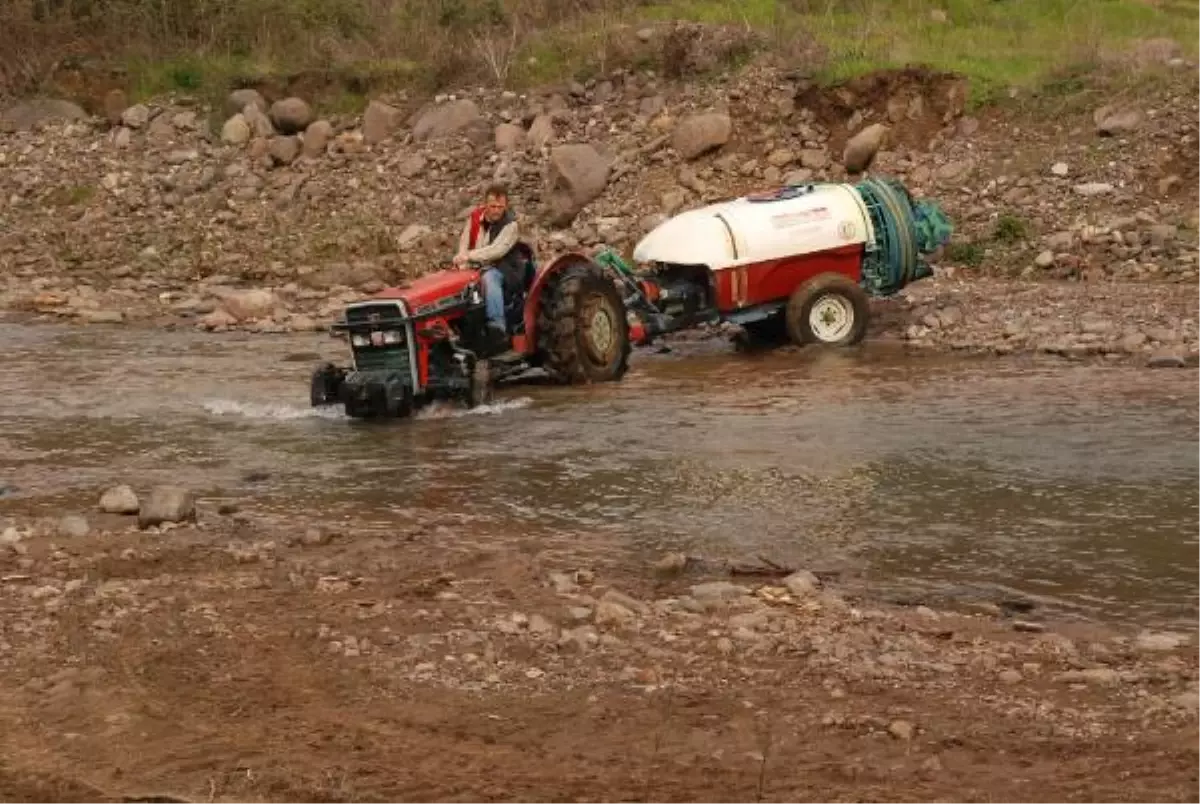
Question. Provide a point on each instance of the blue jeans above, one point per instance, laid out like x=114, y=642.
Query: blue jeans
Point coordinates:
x=493, y=297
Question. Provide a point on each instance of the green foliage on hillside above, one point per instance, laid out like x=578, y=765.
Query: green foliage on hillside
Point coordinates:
x=192, y=44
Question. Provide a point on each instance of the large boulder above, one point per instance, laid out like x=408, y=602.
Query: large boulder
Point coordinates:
x=236, y=130
x=317, y=137
x=30, y=114
x=861, y=148
x=115, y=104
x=541, y=131
x=291, y=115
x=379, y=121
x=241, y=98
x=509, y=137
x=446, y=119
x=256, y=118
x=577, y=175
x=284, y=150
x=698, y=134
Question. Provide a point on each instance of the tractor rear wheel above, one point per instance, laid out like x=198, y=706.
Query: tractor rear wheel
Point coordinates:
x=583, y=334
x=829, y=309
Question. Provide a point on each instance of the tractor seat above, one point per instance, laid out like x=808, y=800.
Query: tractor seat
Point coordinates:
x=514, y=302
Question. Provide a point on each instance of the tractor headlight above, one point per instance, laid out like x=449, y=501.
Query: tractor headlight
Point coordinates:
x=391, y=337
x=359, y=340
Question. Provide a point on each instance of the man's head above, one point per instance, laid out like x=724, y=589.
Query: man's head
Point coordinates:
x=495, y=202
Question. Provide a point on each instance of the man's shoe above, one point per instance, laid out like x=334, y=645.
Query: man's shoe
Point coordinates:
x=497, y=339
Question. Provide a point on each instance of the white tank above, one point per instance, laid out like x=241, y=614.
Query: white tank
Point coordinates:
x=752, y=229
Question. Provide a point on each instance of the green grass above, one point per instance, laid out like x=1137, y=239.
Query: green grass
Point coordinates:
x=204, y=47
x=996, y=43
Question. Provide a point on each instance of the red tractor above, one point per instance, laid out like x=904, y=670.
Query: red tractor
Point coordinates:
x=426, y=340
x=798, y=262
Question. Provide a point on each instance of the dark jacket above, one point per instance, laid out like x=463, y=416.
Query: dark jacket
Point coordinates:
x=497, y=244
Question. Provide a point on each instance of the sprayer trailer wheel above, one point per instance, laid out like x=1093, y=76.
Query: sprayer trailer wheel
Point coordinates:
x=829, y=309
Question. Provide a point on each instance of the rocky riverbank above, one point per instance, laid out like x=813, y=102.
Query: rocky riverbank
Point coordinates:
x=265, y=215
x=176, y=627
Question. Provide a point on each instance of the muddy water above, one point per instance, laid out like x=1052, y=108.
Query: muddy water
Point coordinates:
x=928, y=480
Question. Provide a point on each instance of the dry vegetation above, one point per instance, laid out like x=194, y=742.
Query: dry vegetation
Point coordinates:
x=162, y=45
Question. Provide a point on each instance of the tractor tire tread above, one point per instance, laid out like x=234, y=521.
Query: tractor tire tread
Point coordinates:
x=558, y=326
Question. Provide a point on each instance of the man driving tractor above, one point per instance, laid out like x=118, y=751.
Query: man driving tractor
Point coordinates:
x=490, y=239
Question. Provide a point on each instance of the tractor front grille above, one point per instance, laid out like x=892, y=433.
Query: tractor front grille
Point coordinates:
x=369, y=322
x=383, y=358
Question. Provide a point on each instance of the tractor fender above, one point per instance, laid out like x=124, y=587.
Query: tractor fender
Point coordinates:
x=533, y=300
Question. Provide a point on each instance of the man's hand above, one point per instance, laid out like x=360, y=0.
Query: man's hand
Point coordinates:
x=460, y=259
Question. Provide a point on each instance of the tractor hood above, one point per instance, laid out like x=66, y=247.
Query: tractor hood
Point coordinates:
x=790, y=221
x=431, y=288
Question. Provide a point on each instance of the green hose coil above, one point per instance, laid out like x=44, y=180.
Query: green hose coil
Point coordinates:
x=905, y=230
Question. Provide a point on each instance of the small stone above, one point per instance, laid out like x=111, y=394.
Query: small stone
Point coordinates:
x=901, y=729
x=1093, y=188
x=167, y=504
x=1166, y=360
x=136, y=116
x=781, y=157
x=1104, y=676
x=1028, y=627
x=1112, y=120
x=411, y=235
x=1060, y=169
x=718, y=591
x=611, y=614
x=670, y=565
x=540, y=625
x=119, y=500
x=1044, y=259
x=802, y=583
x=73, y=526
x=1010, y=677
x=1152, y=642
x=182, y=156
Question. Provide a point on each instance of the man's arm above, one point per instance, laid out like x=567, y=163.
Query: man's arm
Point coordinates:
x=464, y=239
x=498, y=247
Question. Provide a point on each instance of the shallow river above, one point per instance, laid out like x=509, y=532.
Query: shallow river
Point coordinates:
x=918, y=479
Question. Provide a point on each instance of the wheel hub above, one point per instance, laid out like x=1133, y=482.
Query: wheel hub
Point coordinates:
x=831, y=317
x=600, y=329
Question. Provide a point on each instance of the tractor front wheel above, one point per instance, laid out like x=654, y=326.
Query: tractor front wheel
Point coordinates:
x=583, y=334
x=479, y=392
x=326, y=380
x=829, y=309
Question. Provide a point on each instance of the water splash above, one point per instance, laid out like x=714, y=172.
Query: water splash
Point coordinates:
x=451, y=410
x=278, y=412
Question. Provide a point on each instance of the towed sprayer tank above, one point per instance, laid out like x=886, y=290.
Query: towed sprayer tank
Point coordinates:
x=878, y=216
